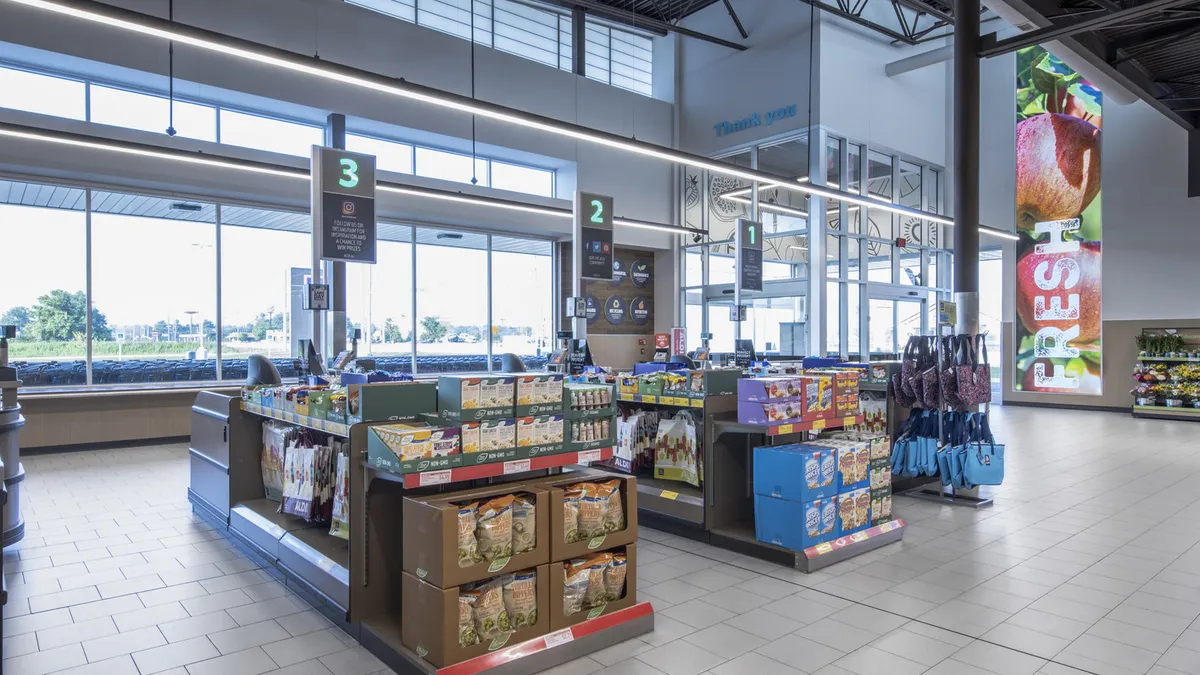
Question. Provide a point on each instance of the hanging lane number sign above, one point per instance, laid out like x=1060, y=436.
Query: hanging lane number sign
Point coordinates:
x=344, y=204
x=593, y=215
x=749, y=253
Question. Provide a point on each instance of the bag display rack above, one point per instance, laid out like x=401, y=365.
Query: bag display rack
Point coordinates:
x=356, y=582
x=950, y=382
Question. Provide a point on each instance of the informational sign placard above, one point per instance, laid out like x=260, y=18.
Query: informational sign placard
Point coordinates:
x=743, y=353
x=1058, y=336
x=592, y=309
x=619, y=271
x=640, y=272
x=662, y=340
x=318, y=297
x=593, y=218
x=947, y=313
x=749, y=248
x=577, y=357
x=639, y=311
x=343, y=204
x=614, y=310
x=678, y=340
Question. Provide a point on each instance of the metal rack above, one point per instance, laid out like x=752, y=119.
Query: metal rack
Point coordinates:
x=356, y=582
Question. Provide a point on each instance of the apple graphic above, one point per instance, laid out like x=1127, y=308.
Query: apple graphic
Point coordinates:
x=1088, y=289
x=1058, y=168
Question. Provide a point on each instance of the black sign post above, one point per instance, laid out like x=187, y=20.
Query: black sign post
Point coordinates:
x=592, y=234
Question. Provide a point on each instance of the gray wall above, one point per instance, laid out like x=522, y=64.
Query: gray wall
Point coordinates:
x=350, y=35
x=721, y=84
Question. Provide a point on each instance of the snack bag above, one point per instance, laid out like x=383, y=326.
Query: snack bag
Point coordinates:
x=298, y=481
x=520, y=598
x=614, y=578
x=575, y=584
x=614, y=517
x=275, y=438
x=340, y=525
x=466, y=621
x=524, y=524
x=487, y=604
x=468, y=547
x=593, y=510
x=494, y=528
x=676, y=455
x=571, y=515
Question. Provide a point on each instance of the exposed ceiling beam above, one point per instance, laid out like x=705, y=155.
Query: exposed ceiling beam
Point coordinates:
x=736, y=21
x=1155, y=35
x=642, y=21
x=854, y=18
x=994, y=47
x=927, y=9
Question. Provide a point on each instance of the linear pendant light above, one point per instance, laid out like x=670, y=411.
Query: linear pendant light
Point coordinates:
x=152, y=26
x=218, y=162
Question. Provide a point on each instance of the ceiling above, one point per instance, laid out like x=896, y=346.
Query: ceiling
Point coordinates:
x=663, y=10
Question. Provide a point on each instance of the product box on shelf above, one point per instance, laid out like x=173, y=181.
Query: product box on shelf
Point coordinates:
x=650, y=385
x=489, y=441
x=434, y=624
x=853, y=461
x=589, y=434
x=795, y=525
x=470, y=398
x=627, y=384
x=539, y=394
x=798, y=473
x=389, y=401
x=719, y=382
x=818, y=397
x=453, y=539
x=410, y=448
x=770, y=389
x=569, y=536
x=881, y=473
x=540, y=435
x=559, y=618
x=880, y=445
x=854, y=511
x=881, y=505
x=581, y=401
x=752, y=412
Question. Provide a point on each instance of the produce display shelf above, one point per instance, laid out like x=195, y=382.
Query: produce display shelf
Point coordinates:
x=785, y=429
x=304, y=551
x=678, y=401
x=740, y=537
x=670, y=498
x=1166, y=412
x=381, y=636
x=335, y=428
x=1169, y=359
x=516, y=466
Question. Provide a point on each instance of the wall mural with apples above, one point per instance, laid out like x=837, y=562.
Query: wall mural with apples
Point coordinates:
x=1058, y=220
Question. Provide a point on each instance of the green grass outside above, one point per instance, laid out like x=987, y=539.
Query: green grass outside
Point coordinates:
x=19, y=349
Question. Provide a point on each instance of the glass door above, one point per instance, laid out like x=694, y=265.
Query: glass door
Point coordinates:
x=893, y=315
x=776, y=318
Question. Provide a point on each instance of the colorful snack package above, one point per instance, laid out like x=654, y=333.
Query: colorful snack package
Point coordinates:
x=468, y=547
x=614, y=517
x=491, y=619
x=466, y=621
x=594, y=565
x=614, y=578
x=524, y=524
x=575, y=584
x=593, y=510
x=571, y=515
x=494, y=528
x=520, y=598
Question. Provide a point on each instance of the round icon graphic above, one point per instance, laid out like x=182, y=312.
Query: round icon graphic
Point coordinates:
x=639, y=271
x=614, y=310
x=619, y=271
x=593, y=308
x=639, y=311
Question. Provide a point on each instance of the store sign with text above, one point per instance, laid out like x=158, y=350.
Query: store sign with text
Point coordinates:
x=1058, y=288
x=344, y=204
x=593, y=213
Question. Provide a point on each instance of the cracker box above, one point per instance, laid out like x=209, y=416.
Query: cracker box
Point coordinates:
x=770, y=389
x=411, y=448
x=751, y=412
x=539, y=394
x=854, y=511
x=537, y=433
x=430, y=621
x=389, y=401
x=489, y=441
x=558, y=617
x=799, y=473
x=565, y=542
x=881, y=505
x=818, y=397
x=795, y=525
x=431, y=550
x=467, y=398
x=881, y=473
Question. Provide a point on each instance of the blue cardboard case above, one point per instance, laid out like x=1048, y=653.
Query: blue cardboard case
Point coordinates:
x=794, y=525
x=796, y=472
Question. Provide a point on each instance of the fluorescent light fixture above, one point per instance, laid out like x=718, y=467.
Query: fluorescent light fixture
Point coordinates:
x=769, y=206
x=798, y=248
x=997, y=232
x=156, y=27
x=213, y=161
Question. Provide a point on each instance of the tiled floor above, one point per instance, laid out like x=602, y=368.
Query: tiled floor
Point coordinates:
x=1087, y=563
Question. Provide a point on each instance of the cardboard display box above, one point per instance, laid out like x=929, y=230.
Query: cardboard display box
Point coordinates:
x=463, y=397
x=771, y=389
x=560, y=549
x=429, y=620
x=412, y=448
x=559, y=620
x=396, y=401
x=539, y=394
x=431, y=536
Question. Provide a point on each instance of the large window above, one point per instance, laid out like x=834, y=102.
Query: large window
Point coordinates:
x=427, y=306
x=618, y=57
x=154, y=279
x=77, y=99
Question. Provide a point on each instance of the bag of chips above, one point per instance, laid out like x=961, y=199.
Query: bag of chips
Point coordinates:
x=494, y=528
x=340, y=525
x=468, y=547
x=520, y=598
x=466, y=621
x=575, y=584
x=614, y=517
x=614, y=578
x=524, y=524
x=592, y=569
x=571, y=515
x=487, y=605
x=593, y=510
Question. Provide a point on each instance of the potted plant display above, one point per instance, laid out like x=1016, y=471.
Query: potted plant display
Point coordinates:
x=1141, y=340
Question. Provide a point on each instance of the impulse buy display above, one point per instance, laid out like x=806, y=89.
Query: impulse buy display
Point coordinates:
x=485, y=568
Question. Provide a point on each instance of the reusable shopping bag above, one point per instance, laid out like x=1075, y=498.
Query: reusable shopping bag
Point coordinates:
x=983, y=373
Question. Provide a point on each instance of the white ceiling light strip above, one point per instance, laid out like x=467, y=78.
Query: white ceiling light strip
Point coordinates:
x=11, y=131
x=144, y=24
